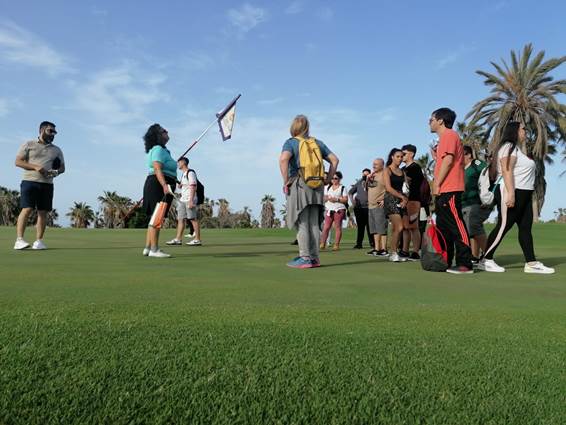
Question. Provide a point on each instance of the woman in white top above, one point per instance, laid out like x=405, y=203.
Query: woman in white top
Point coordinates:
x=516, y=183
x=335, y=198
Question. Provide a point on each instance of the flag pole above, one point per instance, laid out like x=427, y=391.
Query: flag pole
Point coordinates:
x=199, y=137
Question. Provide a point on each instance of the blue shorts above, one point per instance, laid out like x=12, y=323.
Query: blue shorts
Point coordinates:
x=36, y=195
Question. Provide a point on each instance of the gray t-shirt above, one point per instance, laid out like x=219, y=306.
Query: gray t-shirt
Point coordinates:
x=40, y=154
x=361, y=194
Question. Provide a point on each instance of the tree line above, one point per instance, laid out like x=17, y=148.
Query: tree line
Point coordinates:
x=118, y=212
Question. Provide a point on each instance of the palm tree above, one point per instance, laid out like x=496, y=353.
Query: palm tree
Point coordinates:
x=427, y=165
x=474, y=136
x=283, y=212
x=223, y=213
x=267, y=212
x=9, y=206
x=525, y=92
x=81, y=214
x=115, y=209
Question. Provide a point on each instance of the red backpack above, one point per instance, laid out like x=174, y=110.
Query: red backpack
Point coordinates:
x=434, y=257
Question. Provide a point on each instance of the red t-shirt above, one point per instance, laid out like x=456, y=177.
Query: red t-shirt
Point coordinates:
x=450, y=143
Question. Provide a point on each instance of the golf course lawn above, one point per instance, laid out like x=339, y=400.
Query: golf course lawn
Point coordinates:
x=92, y=332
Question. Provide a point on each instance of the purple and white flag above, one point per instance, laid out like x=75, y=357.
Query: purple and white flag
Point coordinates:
x=226, y=119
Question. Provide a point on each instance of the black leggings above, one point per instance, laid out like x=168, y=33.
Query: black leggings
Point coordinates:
x=522, y=214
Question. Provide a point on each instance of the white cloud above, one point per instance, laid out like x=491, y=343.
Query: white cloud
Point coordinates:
x=225, y=90
x=246, y=18
x=453, y=57
x=197, y=61
x=268, y=102
x=3, y=107
x=115, y=101
x=294, y=8
x=325, y=14
x=22, y=47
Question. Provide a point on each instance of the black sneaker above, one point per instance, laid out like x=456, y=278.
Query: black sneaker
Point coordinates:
x=383, y=253
x=414, y=257
x=373, y=252
x=475, y=260
x=404, y=254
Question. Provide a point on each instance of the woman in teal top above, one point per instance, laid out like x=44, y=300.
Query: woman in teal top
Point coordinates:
x=159, y=183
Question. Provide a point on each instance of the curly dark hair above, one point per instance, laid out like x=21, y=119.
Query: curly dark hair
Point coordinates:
x=153, y=136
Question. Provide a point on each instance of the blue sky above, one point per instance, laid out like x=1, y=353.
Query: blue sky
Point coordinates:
x=367, y=73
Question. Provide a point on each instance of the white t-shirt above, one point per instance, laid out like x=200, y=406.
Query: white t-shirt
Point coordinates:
x=335, y=193
x=524, y=171
x=187, y=180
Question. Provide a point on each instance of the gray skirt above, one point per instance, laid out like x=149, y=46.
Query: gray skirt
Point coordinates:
x=300, y=195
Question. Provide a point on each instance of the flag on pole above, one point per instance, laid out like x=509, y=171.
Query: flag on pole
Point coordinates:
x=226, y=119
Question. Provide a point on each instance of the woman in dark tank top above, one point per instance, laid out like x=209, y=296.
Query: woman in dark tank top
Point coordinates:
x=394, y=200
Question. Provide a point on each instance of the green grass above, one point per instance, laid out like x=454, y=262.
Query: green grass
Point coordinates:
x=91, y=332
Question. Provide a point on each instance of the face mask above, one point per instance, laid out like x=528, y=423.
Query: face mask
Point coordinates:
x=48, y=138
x=364, y=178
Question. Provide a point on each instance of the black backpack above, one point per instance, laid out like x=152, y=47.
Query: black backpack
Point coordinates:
x=200, y=189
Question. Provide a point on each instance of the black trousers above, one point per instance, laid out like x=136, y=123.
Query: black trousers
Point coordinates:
x=363, y=225
x=448, y=209
x=521, y=214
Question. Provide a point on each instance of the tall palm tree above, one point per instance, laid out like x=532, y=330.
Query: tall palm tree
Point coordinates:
x=475, y=136
x=81, y=214
x=267, y=212
x=223, y=213
x=525, y=91
x=115, y=209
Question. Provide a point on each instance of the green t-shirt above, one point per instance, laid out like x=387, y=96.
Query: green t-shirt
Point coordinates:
x=471, y=195
x=160, y=154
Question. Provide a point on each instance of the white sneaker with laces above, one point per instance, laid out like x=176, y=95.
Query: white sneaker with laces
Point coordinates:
x=21, y=244
x=490, y=266
x=395, y=258
x=194, y=242
x=538, y=267
x=145, y=252
x=38, y=244
x=174, y=242
x=158, y=254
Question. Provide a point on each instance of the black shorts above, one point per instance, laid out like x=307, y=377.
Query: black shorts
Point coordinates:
x=36, y=195
x=153, y=194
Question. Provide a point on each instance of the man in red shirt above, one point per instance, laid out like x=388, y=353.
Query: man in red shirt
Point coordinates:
x=448, y=188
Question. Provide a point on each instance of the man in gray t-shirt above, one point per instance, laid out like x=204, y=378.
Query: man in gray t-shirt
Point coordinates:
x=42, y=161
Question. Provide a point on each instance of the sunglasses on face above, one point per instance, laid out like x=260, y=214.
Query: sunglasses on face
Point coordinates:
x=335, y=178
x=51, y=131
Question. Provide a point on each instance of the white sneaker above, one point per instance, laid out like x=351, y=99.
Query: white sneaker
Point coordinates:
x=395, y=258
x=145, y=252
x=538, y=267
x=158, y=254
x=194, y=242
x=21, y=244
x=38, y=244
x=490, y=266
x=174, y=242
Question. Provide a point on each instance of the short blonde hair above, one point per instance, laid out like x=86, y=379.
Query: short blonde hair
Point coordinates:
x=300, y=126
